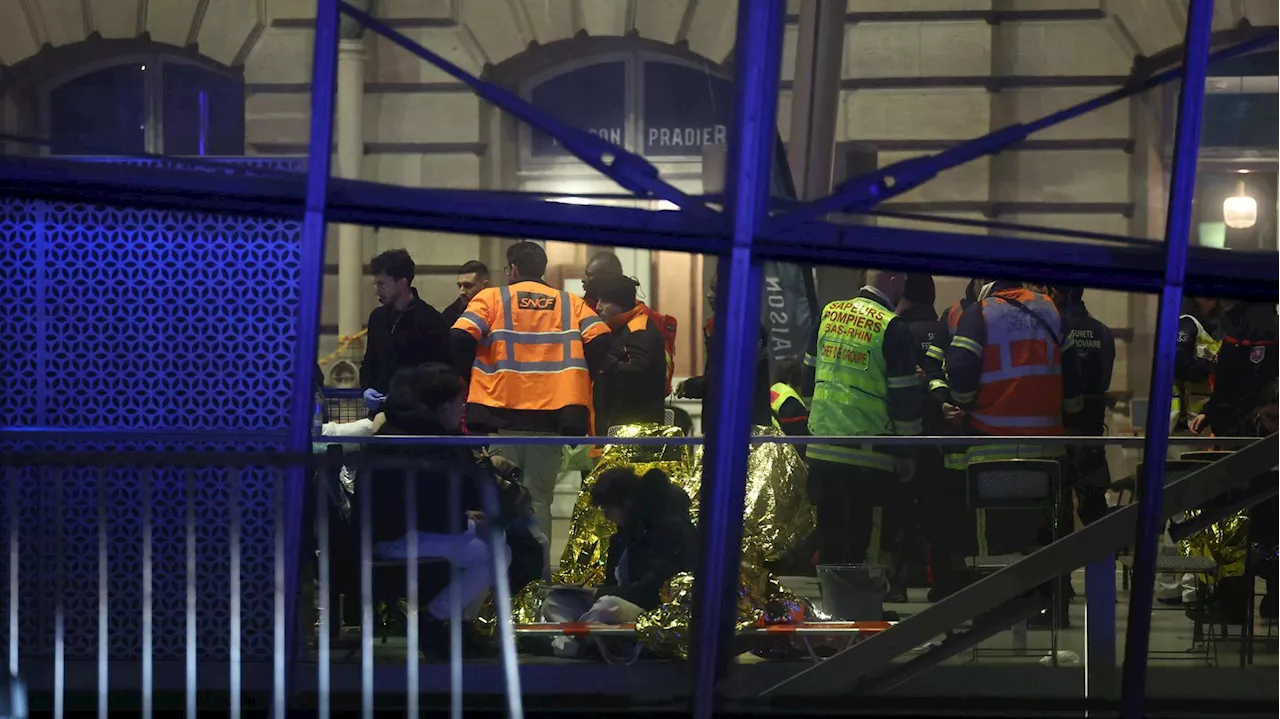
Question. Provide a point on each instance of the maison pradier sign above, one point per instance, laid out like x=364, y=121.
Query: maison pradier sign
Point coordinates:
x=680, y=109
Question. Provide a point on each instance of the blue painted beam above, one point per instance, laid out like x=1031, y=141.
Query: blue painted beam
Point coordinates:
x=1178, y=232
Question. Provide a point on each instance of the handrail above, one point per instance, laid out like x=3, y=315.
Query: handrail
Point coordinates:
x=105, y=434
x=1104, y=536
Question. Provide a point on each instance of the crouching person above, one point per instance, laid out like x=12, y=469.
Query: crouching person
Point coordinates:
x=655, y=540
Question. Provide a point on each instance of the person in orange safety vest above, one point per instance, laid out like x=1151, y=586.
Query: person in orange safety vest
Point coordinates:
x=530, y=351
x=1011, y=368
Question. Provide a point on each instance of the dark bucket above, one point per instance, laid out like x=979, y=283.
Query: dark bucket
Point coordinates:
x=853, y=592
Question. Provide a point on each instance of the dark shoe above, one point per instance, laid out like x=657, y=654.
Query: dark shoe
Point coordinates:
x=896, y=595
x=433, y=637
x=1170, y=601
x=1267, y=607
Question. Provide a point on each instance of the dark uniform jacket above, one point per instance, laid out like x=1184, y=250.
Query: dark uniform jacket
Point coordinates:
x=632, y=382
x=1245, y=379
x=454, y=311
x=402, y=339
x=931, y=338
x=700, y=387
x=792, y=415
x=1095, y=351
x=1187, y=366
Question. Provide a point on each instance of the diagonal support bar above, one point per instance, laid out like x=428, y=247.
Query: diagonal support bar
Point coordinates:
x=1182, y=190
x=752, y=140
x=1210, y=272
x=302, y=396
x=629, y=170
x=1100, y=539
x=867, y=191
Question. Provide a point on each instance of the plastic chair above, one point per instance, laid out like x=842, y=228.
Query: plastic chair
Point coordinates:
x=1018, y=484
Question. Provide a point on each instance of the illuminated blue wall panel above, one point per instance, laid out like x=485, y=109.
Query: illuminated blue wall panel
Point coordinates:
x=144, y=321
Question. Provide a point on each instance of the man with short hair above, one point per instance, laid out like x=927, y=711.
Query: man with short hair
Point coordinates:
x=866, y=385
x=404, y=331
x=472, y=277
x=631, y=386
x=530, y=351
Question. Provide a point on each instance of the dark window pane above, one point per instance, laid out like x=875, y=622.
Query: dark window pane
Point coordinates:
x=590, y=98
x=685, y=108
x=100, y=113
x=1239, y=121
x=190, y=128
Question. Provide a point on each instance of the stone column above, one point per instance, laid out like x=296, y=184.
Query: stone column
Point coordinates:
x=815, y=109
x=815, y=99
x=350, y=136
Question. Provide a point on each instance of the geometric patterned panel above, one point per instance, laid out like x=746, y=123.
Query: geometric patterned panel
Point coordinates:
x=141, y=319
x=119, y=318
x=78, y=492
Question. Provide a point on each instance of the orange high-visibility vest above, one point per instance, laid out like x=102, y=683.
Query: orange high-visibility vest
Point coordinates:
x=529, y=352
x=1020, y=390
x=953, y=315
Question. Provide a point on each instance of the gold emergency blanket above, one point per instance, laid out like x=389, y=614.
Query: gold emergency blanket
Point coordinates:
x=1226, y=542
x=776, y=517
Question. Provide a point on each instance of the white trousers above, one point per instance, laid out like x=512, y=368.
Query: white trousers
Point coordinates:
x=466, y=553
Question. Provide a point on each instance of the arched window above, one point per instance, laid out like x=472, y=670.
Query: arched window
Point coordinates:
x=115, y=97
x=151, y=104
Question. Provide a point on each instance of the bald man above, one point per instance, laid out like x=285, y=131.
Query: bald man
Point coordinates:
x=864, y=361
x=601, y=263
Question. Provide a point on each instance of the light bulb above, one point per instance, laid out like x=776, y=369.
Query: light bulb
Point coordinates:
x=1241, y=211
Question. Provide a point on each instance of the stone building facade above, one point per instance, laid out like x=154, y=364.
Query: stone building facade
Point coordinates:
x=916, y=76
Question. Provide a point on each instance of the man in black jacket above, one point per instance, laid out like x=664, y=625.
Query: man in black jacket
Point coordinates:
x=472, y=277
x=404, y=331
x=631, y=385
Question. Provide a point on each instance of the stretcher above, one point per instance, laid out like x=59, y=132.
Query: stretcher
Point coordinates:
x=845, y=635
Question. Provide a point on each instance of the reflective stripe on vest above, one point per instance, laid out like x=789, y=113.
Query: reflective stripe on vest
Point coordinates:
x=995, y=452
x=858, y=456
x=1020, y=389
x=779, y=393
x=530, y=353
x=851, y=382
x=1197, y=393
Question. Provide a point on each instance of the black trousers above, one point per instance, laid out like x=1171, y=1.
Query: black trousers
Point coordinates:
x=1087, y=473
x=846, y=498
x=945, y=519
